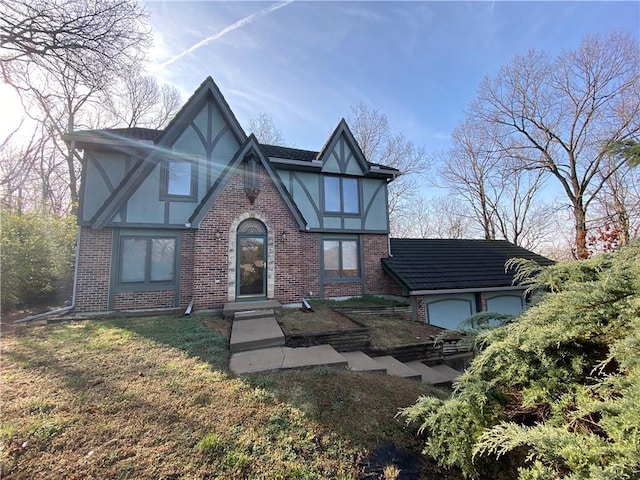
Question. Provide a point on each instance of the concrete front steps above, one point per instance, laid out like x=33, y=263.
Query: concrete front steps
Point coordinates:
x=280, y=358
x=255, y=330
x=230, y=309
x=434, y=375
x=257, y=344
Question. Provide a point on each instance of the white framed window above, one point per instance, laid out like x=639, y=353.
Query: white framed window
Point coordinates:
x=179, y=180
x=341, y=195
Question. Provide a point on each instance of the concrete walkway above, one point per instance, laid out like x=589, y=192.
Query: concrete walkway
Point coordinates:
x=255, y=332
x=257, y=344
x=285, y=357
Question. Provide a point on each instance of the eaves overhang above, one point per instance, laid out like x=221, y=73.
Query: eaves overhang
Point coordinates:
x=466, y=290
x=84, y=141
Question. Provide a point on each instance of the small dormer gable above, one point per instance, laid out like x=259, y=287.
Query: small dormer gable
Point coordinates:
x=342, y=154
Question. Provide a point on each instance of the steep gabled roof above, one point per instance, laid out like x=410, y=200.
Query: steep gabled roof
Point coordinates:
x=275, y=153
x=447, y=264
x=251, y=145
x=343, y=129
x=165, y=137
x=193, y=105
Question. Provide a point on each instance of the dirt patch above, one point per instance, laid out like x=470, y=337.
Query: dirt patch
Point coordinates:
x=323, y=318
x=387, y=331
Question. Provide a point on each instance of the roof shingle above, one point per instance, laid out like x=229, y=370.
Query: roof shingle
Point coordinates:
x=150, y=134
x=443, y=264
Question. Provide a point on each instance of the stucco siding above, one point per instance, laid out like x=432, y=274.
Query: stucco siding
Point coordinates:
x=187, y=143
x=104, y=172
x=145, y=206
x=375, y=204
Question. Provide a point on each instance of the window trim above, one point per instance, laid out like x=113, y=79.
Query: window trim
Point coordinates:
x=164, y=181
x=147, y=284
x=341, y=195
x=341, y=277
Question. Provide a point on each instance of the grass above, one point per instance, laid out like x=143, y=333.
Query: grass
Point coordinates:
x=151, y=398
x=323, y=318
x=385, y=330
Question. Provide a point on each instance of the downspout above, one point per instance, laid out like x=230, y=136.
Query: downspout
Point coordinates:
x=63, y=310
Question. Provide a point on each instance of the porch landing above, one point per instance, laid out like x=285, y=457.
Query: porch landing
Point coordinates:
x=230, y=309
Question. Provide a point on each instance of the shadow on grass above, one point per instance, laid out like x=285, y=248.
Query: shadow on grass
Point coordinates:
x=117, y=388
x=189, y=334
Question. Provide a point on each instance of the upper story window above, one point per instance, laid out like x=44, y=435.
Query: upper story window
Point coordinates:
x=179, y=181
x=341, y=195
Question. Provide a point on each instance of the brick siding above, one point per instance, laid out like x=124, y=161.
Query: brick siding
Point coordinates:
x=94, y=270
x=295, y=270
x=422, y=309
x=143, y=300
x=207, y=273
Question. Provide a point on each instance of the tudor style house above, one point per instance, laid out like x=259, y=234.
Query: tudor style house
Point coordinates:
x=200, y=212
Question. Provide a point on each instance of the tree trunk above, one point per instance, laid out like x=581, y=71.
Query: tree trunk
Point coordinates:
x=580, y=217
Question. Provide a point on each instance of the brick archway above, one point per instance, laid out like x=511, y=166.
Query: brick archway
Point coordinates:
x=232, y=259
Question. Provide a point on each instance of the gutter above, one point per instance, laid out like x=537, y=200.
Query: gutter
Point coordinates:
x=466, y=290
x=63, y=310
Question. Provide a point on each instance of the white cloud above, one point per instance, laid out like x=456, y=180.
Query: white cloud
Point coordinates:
x=234, y=26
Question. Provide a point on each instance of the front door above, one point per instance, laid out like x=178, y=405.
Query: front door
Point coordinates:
x=252, y=260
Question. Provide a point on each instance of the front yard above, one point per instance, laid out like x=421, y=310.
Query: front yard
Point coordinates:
x=151, y=398
x=386, y=330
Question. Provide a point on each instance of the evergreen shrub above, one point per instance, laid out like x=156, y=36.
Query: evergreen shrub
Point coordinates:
x=554, y=394
x=38, y=252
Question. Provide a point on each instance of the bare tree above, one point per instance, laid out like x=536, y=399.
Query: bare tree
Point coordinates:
x=523, y=217
x=437, y=217
x=111, y=33
x=266, y=132
x=503, y=200
x=559, y=115
x=62, y=56
x=59, y=98
x=380, y=145
x=618, y=204
x=471, y=170
x=139, y=101
x=17, y=166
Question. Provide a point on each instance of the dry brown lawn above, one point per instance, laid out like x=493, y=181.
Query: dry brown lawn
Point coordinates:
x=323, y=318
x=385, y=330
x=150, y=398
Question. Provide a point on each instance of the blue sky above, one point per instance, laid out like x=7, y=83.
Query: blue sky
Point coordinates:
x=306, y=63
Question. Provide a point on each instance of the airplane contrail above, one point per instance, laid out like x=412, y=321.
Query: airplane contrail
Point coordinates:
x=234, y=26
